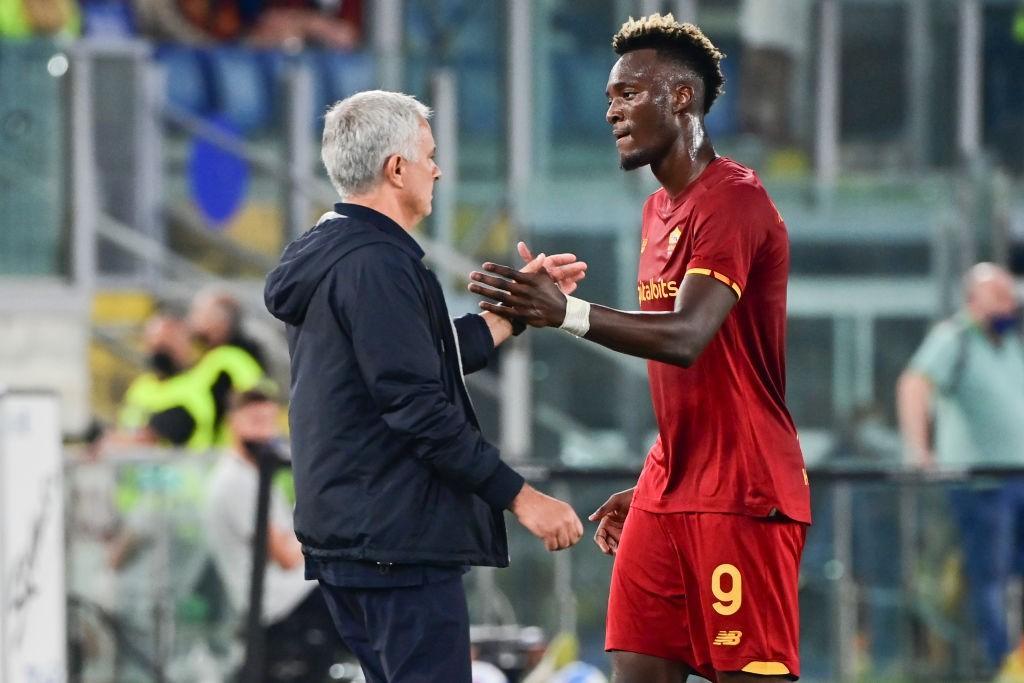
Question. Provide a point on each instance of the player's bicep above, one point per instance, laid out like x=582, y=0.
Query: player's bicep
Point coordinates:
x=705, y=302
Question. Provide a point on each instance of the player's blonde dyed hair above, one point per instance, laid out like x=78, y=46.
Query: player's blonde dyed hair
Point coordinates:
x=683, y=41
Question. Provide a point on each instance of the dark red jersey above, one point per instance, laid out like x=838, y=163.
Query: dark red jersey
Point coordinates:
x=727, y=442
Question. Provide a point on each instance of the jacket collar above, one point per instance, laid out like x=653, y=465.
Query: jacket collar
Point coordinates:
x=382, y=223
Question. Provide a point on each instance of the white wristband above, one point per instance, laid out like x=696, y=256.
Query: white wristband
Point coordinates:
x=577, y=316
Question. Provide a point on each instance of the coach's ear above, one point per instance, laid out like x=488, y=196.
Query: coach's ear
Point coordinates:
x=394, y=170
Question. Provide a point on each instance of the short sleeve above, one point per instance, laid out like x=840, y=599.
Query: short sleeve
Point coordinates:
x=231, y=503
x=728, y=233
x=280, y=513
x=937, y=354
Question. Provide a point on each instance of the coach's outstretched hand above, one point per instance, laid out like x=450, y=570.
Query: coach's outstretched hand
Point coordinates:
x=612, y=516
x=549, y=519
x=564, y=269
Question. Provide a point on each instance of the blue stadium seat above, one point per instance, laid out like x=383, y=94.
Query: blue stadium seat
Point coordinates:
x=276, y=64
x=723, y=120
x=187, y=78
x=479, y=82
x=241, y=88
x=578, y=103
x=346, y=73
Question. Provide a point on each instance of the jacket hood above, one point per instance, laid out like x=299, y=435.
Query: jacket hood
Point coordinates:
x=307, y=260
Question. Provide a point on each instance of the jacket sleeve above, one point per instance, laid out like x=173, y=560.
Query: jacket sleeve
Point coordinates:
x=475, y=342
x=378, y=296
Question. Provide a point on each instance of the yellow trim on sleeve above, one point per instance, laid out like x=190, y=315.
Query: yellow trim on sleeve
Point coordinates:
x=724, y=279
x=766, y=668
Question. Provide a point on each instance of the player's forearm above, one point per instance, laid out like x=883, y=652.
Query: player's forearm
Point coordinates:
x=670, y=337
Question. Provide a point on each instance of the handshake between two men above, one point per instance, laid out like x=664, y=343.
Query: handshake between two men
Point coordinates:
x=537, y=295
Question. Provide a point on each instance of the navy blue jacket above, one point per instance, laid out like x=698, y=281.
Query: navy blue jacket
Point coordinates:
x=389, y=462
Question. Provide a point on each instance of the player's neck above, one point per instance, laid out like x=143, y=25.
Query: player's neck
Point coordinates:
x=684, y=163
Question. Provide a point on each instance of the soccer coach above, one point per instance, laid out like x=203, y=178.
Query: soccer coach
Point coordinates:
x=397, y=491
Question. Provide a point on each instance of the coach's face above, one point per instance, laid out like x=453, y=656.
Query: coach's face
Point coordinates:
x=421, y=174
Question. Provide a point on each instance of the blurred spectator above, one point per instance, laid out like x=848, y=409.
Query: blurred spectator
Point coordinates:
x=333, y=24
x=216, y=320
x=162, y=20
x=26, y=18
x=775, y=35
x=299, y=628
x=232, y=361
x=307, y=22
x=970, y=372
x=167, y=405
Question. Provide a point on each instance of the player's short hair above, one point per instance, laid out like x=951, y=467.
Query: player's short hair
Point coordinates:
x=681, y=41
x=362, y=131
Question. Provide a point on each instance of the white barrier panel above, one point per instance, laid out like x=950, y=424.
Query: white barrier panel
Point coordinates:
x=33, y=622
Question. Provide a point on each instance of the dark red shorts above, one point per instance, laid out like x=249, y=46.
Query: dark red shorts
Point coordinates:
x=717, y=592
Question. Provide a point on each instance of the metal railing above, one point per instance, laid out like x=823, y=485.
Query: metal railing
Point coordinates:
x=882, y=545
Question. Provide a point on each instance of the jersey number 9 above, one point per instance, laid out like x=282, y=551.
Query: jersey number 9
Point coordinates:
x=729, y=601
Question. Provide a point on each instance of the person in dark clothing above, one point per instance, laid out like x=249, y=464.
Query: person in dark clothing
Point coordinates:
x=397, y=491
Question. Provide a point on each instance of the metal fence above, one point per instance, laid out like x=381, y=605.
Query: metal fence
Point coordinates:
x=882, y=589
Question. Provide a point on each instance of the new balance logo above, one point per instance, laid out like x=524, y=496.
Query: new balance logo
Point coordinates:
x=728, y=638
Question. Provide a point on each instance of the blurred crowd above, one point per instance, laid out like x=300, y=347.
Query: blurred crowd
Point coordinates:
x=289, y=24
x=207, y=393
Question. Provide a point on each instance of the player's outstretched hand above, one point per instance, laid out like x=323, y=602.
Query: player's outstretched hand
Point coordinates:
x=549, y=519
x=564, y=269
x=611, y=517
x=533, y=298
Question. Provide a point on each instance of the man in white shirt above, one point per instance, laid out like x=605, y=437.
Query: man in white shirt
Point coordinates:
x=299, y=627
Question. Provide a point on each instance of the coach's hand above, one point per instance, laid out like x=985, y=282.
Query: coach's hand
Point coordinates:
x=547, y=518
x=612, y=516
x=564, y=269
x=534, y=298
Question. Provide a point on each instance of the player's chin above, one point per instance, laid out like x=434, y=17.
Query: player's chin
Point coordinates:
x=632, y=160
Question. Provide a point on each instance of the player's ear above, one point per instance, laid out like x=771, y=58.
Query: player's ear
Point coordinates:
x=682, y=98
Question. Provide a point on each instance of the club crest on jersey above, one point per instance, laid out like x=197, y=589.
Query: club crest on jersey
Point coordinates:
x=673, y=240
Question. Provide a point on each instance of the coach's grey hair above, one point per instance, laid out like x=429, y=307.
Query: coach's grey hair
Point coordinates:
x=362, y=131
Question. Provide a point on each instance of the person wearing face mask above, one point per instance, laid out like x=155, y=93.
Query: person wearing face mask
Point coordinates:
x=299, y=631
x=167, y=405
x=961, y=405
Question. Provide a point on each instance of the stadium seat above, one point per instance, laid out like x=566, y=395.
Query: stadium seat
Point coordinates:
x=276, y=63
x=723, y=120
x=578, y=102
x=187, y=78
x=480, y=81
x=241, y=88
x=345, y=73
